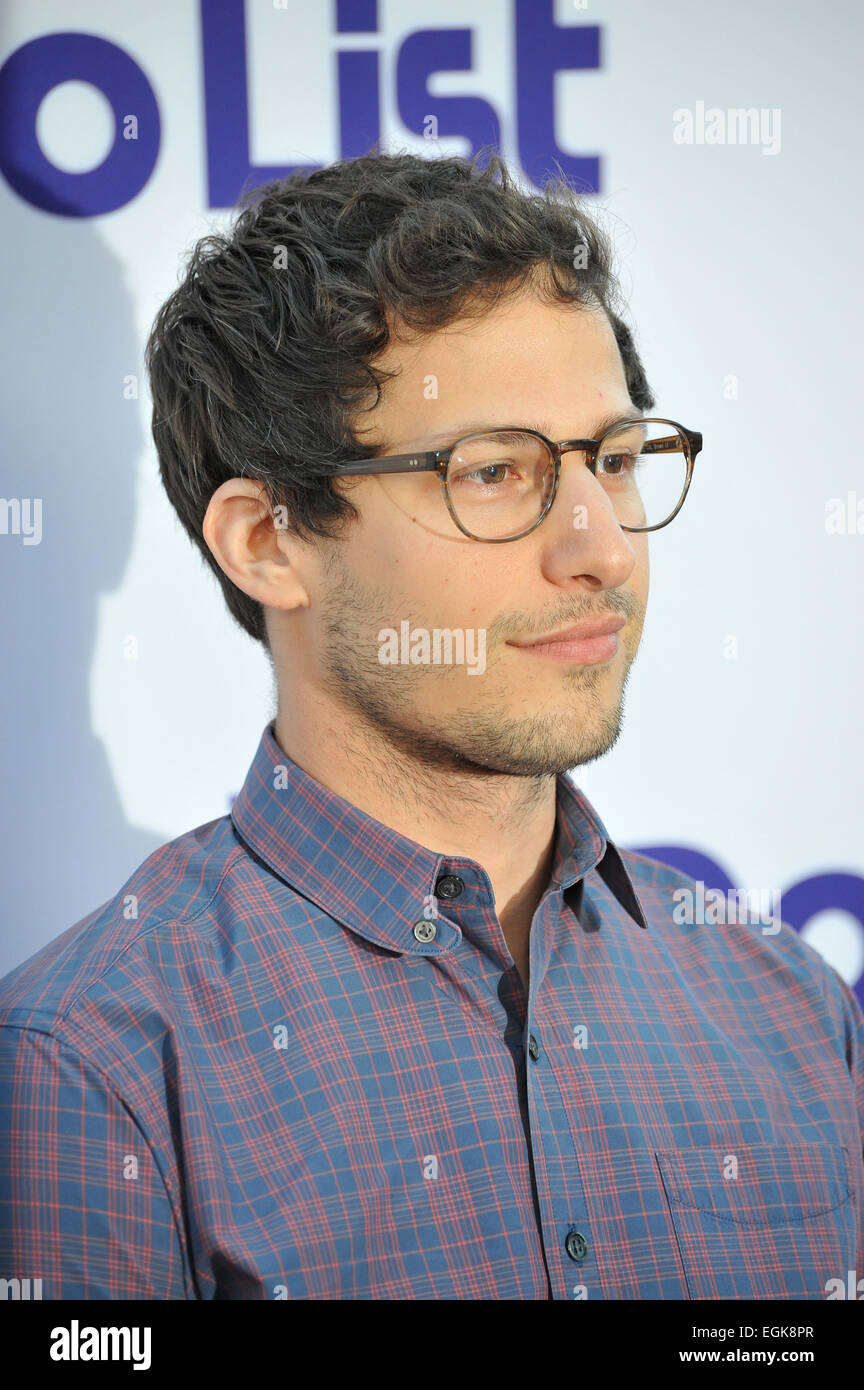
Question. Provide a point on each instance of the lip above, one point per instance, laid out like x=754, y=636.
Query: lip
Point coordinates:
x=592, y=627
x=585, y=644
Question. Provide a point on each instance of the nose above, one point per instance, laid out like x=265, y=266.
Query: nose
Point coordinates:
x=583, y=535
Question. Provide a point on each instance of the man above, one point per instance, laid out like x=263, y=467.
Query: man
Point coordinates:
x=408, y=1024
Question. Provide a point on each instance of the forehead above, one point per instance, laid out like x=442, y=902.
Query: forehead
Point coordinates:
x=516, y=329
x=524, y=359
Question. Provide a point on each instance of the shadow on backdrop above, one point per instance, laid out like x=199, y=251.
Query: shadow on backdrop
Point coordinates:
x=71, y=438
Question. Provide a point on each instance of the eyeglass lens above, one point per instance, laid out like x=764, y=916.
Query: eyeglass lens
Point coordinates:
x=499, y=483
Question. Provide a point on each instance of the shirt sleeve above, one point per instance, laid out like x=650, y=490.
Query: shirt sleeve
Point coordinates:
x=83, y=1204
x=853, y=1029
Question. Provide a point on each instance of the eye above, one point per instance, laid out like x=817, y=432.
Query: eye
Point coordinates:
x=498, y=468
x=618, y=465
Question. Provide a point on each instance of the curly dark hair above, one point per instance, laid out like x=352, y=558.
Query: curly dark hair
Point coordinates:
x=261, y=358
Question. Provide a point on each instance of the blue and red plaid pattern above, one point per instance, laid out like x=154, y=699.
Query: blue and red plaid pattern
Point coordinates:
x=250, y=1074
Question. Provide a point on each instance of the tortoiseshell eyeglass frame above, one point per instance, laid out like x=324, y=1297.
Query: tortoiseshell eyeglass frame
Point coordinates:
x=438, y=460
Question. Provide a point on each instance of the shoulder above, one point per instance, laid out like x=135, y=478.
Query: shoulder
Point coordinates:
x=737, y=937
x=126, y=944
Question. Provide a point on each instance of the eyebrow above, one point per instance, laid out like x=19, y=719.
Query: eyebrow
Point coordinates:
x=482, y=426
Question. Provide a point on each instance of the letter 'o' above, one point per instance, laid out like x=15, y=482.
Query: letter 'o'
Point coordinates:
x=26, y=78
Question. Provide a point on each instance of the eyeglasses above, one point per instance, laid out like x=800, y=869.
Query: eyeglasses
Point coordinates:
x=498, y=485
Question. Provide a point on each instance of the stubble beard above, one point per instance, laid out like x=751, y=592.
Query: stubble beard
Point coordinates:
x=394, y=706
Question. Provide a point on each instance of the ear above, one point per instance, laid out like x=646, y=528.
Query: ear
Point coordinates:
x=261, y=557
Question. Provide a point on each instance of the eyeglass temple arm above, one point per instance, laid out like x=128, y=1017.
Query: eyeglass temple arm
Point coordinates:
x=399, y=463
x=669, y=443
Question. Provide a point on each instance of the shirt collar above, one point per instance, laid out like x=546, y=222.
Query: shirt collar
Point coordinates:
x=371, y=878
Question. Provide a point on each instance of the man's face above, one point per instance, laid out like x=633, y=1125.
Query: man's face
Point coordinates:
x=523, y=712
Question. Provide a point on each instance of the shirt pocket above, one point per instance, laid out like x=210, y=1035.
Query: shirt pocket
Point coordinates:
x=761, y=1220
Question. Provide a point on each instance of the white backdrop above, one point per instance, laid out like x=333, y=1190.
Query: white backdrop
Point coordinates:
x=742, y=726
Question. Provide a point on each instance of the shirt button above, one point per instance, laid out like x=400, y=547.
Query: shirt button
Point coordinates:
x=533, y=1047
x=576, y=1245
x=448, y=886
x=424, y=930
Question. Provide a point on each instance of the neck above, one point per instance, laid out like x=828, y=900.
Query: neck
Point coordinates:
x=506, y=823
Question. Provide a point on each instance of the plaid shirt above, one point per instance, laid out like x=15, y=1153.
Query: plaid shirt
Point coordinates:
x=266, y=1069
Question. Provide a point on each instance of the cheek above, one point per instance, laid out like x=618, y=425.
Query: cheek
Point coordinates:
x=642, y=568
x=439, y=569
x=442, y=579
